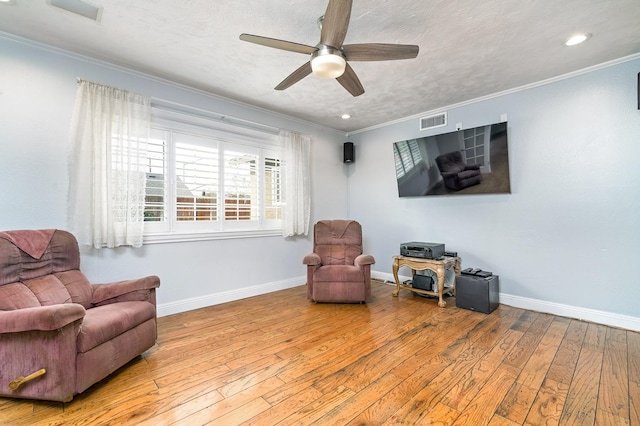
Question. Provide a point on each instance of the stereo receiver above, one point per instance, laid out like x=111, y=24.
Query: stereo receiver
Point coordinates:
x=422, y=250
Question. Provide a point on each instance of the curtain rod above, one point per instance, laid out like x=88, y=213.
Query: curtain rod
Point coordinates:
x=181, y=108
x=225, y=118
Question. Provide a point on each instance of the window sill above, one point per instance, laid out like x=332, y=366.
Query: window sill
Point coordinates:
x=174, y=237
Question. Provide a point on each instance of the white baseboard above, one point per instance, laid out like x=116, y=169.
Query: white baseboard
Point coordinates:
x=593, y=315
x=585, y=314
x=388, y=278
x=185, y=305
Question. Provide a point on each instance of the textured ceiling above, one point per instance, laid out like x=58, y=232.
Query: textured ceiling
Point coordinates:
x=468, y=48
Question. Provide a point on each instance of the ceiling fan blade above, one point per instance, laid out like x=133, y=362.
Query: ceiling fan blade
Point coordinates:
x=278, y=44
x=379, y=51
x=295, y=76
x=350, y=81
x=335, y=23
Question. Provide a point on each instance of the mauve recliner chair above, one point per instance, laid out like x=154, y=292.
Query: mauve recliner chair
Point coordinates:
x=337, y=271
x=58, y=333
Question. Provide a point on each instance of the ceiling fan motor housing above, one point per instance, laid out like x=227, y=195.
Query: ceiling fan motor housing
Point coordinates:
x=328, y=62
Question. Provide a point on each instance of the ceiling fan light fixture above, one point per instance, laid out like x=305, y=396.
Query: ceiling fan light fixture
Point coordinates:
x=328, y=63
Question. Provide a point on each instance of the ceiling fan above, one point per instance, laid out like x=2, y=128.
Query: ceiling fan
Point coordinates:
x=329, y=58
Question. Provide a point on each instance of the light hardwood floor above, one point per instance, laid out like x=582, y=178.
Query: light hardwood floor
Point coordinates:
x=279, y=359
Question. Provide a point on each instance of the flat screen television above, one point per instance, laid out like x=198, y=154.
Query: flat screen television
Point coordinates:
x=467, y=161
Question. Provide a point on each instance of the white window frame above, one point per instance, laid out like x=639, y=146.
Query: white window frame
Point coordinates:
x=262, y=142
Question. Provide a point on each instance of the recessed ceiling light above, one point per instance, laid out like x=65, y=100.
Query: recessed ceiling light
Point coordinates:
x=577, y=39
x=7, y=2
x=345, y=116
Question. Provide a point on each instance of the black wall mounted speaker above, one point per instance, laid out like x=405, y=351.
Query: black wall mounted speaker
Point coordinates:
x=349, y=153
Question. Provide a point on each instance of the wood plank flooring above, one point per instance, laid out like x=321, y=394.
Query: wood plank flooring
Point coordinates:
x=278, y=359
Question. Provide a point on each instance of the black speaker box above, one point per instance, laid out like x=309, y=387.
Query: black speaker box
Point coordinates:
x=477, y=293
x=349, y=152
x=423, y=282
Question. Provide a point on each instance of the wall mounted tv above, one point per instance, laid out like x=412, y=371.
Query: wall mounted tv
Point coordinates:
x=467, y=161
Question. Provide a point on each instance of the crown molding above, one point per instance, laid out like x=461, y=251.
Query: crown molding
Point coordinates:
x=185, y=87
x=502, y=93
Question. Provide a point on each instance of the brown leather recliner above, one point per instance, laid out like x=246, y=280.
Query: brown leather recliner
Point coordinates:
x=337, y=271
x=58, y=333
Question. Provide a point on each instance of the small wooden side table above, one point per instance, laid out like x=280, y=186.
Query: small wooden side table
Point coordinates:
x=417, y=264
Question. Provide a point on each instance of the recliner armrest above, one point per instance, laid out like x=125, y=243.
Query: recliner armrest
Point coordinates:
x=44, y=318
x=364, y=259
x=312, y=259
x=105, y=292
x=472, y=167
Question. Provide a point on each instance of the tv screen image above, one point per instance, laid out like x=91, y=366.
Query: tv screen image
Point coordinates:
x=467, y=161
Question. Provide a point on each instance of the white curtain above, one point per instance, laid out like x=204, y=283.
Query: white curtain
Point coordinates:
x=107, y=166
x=296, y=188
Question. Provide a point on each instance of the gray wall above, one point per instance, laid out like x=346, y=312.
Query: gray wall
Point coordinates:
x=37, y=92
x=567, y=238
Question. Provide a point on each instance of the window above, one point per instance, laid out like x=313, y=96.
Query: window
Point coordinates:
x=407, y=156
x=210, y=180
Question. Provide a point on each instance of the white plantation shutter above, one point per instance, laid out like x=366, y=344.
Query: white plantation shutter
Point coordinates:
x=273, y=188
x=196, y=182
x=241, y=186
x=156, y=189
x=201, y=181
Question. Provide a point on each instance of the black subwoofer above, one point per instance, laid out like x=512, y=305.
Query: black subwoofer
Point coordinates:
x=423, y=282
x=477, y=293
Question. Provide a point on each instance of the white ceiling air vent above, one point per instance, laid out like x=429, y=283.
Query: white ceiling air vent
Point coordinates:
x=432, y=121
x=78, y=7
